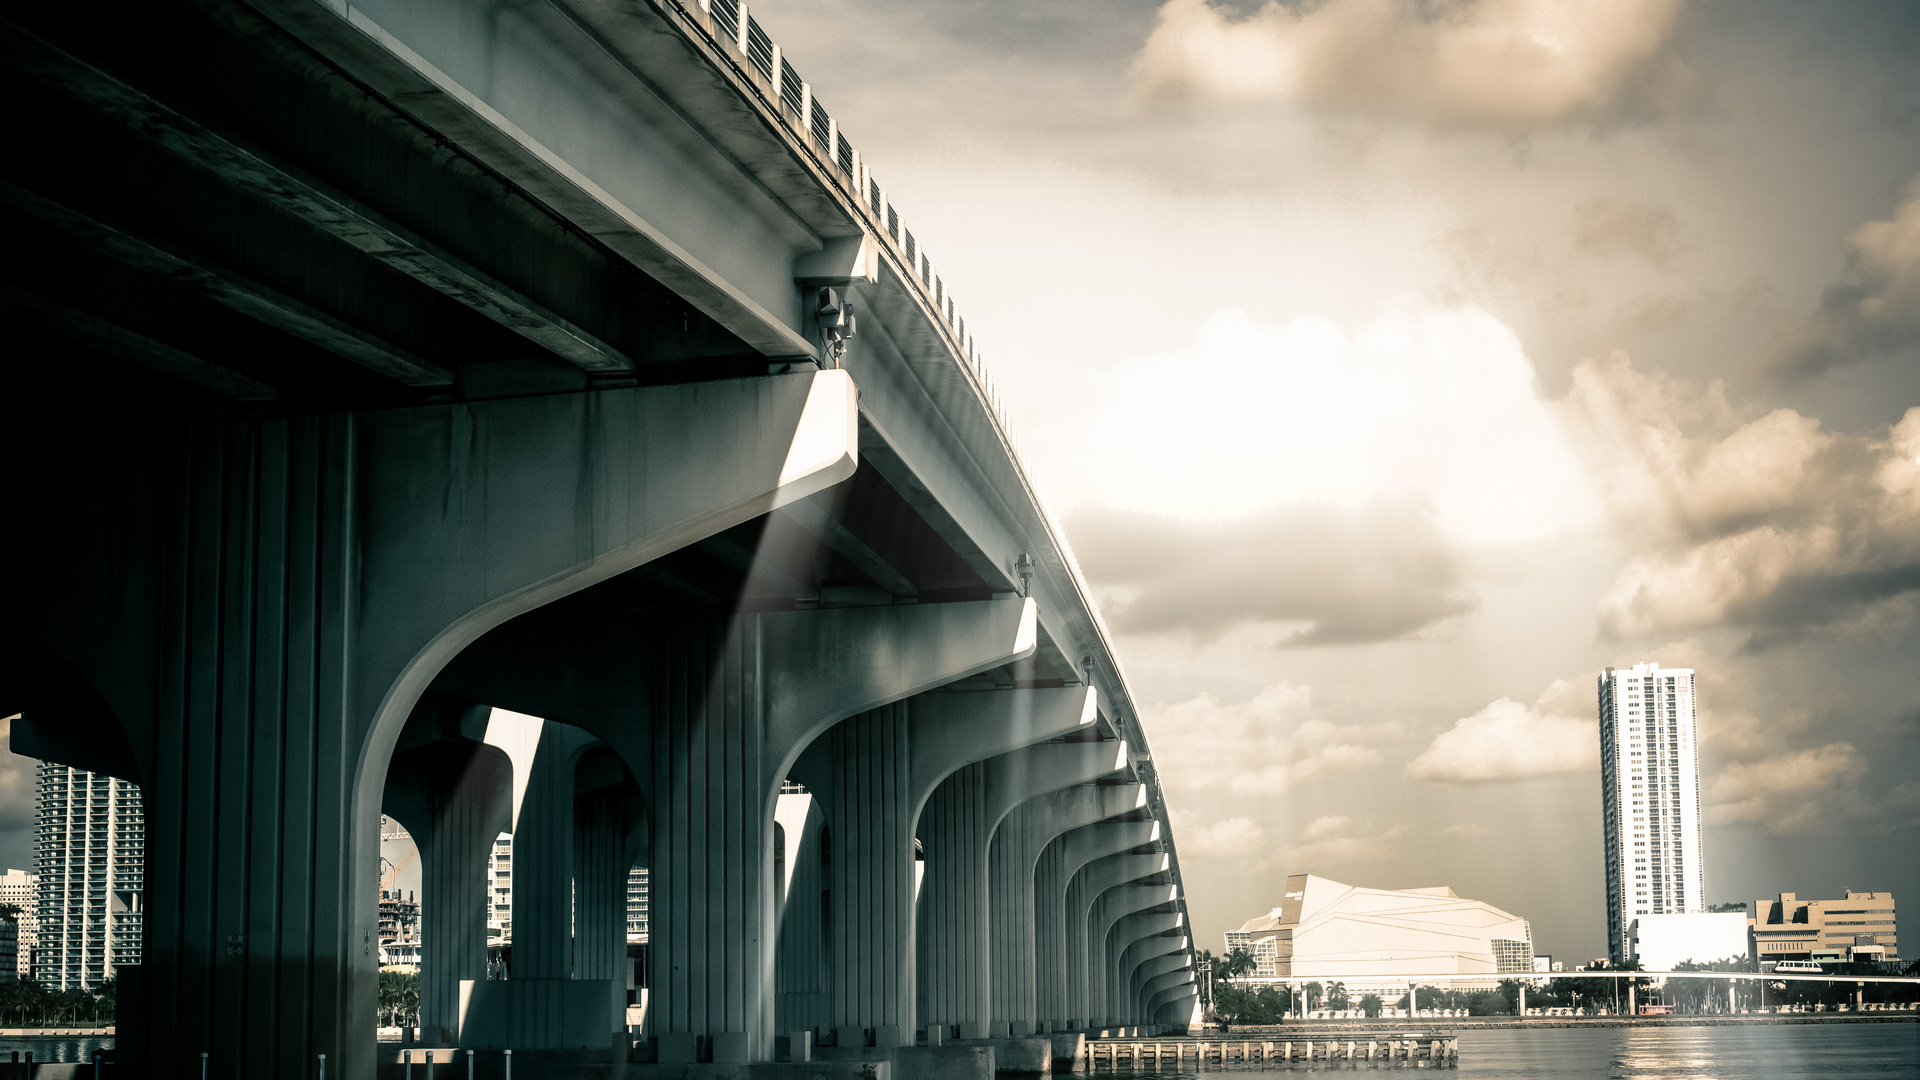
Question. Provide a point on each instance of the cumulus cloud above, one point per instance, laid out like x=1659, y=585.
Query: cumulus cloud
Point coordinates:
x=1327, y=842
x=1786, y=793
x=1509, y=65
x=1607, y=226
x=1874, y=308
x=1261, y=746
x=1235, y=837
x=1771, y=524
x=1421, y=404
x=1510, y=741
x=1326, y=575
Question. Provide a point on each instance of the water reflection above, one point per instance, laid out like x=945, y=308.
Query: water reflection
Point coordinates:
x=1747, y=1052
x=52, y=1048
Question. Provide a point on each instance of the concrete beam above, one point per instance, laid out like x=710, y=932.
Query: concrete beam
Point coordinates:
x=306, y=198
x=135, y=348
x=227, y=287
x=565, y=102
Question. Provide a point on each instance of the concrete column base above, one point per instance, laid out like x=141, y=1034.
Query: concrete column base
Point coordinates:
x=936, y=1034
x=999, y=1029
x=973, y=1029
x=800, y=1046
x=1069, y=1051
x=854, y=1038
x=1017, y=1057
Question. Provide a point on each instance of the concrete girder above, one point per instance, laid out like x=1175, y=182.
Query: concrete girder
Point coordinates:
x=331, y=211
x=1016, y=849
x=872, y=775
x=232, y=289
x=569, y=109
x=133, y=347
x=1084, y=890
x=1163, y=987
x=1109, y=911
x=263, y=623
x=955, y=962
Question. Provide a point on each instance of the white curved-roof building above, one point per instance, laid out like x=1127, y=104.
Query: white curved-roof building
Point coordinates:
x=1324, y=929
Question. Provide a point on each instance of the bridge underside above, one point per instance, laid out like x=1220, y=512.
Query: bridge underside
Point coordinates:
x=336, y=427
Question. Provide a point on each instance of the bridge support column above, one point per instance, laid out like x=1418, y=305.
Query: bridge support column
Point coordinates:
x=733, y=703
x=873, y=774
x=1088, y=919
x=260, y=604
x=1134, y=940
x=957, y=829
x=453, y=794
x=1105, y=942
x=1017, y=846
x=1062, y=976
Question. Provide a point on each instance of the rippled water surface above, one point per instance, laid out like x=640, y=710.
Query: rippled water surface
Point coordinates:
x=51, y=1048
x=1796, y=1052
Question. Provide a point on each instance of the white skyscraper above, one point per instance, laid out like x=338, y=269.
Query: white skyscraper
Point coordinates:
x=21, y=888
x=92, y=834
x=1650, y=788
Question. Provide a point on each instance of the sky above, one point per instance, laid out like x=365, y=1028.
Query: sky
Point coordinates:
x=1396, y=367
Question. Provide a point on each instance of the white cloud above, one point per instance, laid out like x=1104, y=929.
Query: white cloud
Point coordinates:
x=1501, y=64
x=1794, y=792
x=1508, y=741
x=1767, y=523
x=1327, y=843
x=1235, y=837
x=1260, y=746
x=1875, y=307
x=1431, y=405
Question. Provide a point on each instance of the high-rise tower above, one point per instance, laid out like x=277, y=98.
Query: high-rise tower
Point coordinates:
x=1650, y=790
x=92, y=836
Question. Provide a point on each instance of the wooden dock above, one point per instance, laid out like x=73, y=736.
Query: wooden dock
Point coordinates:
x=1430, y=1050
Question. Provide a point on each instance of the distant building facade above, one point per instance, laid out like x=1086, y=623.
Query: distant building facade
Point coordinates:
x=91, y=832
x=1327, y=929
x=500, y=891
x=399, y=928
x=637, y=906
x=1650, y=796
x=21, y=888
x=1860, y=926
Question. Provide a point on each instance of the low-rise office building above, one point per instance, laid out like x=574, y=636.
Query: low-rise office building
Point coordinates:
x=1328, y=930
x=1858, y=927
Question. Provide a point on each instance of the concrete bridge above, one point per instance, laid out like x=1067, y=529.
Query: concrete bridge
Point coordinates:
x=378, y=365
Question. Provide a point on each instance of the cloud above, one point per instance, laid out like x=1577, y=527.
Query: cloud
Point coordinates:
x=19, y=780
x=1617, y=227
x=1769, y=524
x=1261, y=746
x=1421, y=404
x=1875, y=307
x=1329, y=576
x=1507, y=65
x=1335, y=840
x=1795, y=792
x=1236, y=837
x=1510, y=741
